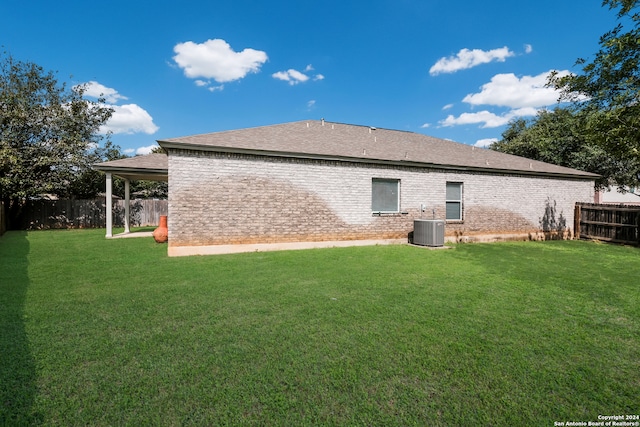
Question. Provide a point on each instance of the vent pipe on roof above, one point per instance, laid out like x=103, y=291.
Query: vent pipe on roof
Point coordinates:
x=322, y=121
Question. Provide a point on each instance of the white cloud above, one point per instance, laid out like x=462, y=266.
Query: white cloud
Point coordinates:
x=293, y=77
x=207, y=84
x=484, y=143
x=426, y=125
x=97, y=90
x=467, y=58
x=447, y=107
x=129, y=119
x=525, y=96
x=508, y=90
x=487, y=118
x=142, y=151
x=528, y=48
x=311, y=104
x=214, y=59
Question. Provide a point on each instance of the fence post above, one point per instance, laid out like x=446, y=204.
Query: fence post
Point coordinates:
x=638, y=227
x=3, y=225
x=576, y=222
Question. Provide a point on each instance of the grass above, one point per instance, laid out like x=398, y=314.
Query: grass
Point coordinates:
x=113, y=332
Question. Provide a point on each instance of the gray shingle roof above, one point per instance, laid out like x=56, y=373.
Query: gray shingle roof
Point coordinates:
x=151, y=167
x=327, y=140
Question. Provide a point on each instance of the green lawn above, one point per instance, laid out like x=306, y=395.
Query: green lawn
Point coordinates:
x=113, y=332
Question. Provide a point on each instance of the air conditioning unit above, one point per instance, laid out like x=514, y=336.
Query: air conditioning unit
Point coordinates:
x=428, y=232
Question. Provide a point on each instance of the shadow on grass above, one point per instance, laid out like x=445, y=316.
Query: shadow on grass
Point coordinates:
x=17, y=366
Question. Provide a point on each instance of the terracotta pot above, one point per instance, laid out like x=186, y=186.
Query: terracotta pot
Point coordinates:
x=161, y=234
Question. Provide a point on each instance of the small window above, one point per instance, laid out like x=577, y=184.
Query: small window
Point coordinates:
x=385, y=195
x=454, y=201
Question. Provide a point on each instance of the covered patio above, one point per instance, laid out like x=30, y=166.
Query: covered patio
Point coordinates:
x=152, y=167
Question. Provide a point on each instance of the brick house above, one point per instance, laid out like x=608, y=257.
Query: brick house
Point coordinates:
x=316, y=183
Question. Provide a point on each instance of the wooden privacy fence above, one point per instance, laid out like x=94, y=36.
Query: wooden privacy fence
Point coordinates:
x=610, y=223
x=42, y=214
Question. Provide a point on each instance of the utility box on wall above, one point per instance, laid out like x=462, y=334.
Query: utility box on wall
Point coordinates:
x=428, y=232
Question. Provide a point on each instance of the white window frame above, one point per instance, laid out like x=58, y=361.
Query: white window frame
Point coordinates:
x=373, y=194
x=450, y=201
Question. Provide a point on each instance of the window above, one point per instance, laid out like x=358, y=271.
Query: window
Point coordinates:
x=454, y=201
x=385, y=195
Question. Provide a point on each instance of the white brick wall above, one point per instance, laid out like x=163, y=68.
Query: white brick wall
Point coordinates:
x=225, y=199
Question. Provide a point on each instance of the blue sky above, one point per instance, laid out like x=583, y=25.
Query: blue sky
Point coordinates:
x=451, y=69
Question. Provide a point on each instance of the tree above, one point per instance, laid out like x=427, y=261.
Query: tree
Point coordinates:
x=88, y=183
x=608, y=89
x=150, y=189
x=158, y=150
x=600, y=131
x=46, y=132
x=562, y=137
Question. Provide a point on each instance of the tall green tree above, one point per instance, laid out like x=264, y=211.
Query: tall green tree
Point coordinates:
x=561, y=136
x=608, y=89
x=88, y=183
x=600, y=131
x=46, y=132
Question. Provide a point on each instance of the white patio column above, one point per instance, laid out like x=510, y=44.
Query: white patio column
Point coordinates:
x=109, y=207
x=126, y=206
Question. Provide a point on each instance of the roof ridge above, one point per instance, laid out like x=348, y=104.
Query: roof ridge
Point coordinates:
x=295, y=122
x=365, y=126
x=314, y=139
